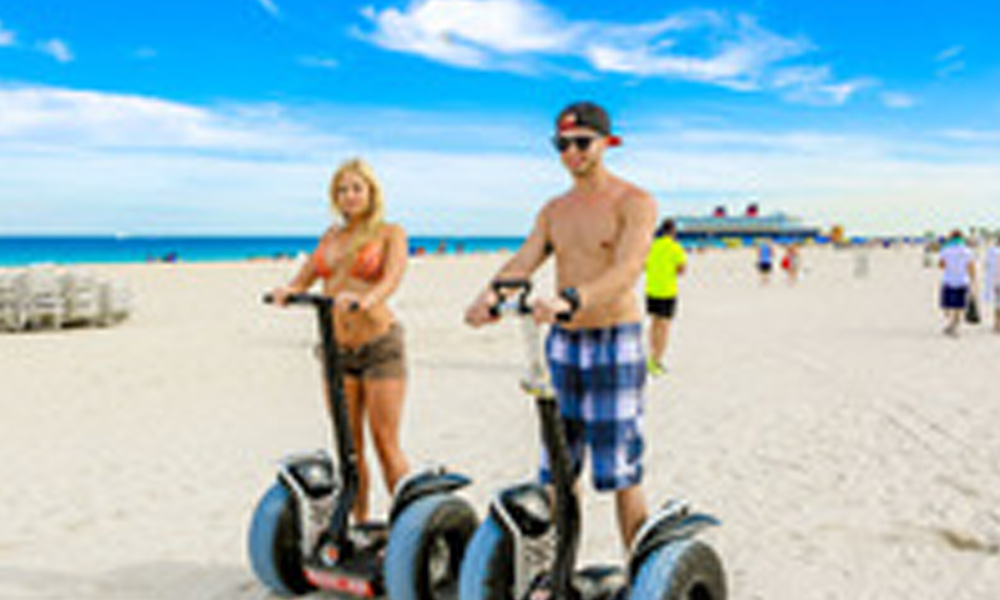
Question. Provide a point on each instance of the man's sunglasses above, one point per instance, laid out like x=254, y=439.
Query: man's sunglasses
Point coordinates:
x=582, y=142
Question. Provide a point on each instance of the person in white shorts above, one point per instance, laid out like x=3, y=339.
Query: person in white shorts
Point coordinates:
x=959, y=265
x=991, y=281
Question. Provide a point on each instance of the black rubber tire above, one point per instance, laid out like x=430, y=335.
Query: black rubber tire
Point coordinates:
x=488, y=566
x=273, y=544
x=441, y=523
x=682, y=570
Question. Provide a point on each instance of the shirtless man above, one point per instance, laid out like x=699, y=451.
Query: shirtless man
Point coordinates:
x=599, y=232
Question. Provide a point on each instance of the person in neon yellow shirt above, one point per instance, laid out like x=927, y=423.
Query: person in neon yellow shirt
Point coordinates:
x=664, y=263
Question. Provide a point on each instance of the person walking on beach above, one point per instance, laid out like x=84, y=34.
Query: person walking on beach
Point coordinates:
x=360, y=262
x=666, y=261
x=959, y=272
x=991, y=281
x=765, y=260
x=599, y=233
x=790, y=262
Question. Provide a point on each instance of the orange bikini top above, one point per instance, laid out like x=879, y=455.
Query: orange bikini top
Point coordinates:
x=368, y=263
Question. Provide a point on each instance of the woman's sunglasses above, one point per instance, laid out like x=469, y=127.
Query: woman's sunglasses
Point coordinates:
x=582, y=142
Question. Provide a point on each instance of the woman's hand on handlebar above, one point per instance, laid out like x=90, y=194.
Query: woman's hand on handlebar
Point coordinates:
x=279, y=296
x=348, y=301
x=479, y=312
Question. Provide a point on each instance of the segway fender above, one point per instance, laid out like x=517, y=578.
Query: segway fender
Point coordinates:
x=436, y=480
x=666, y=529
x=310, y=476
x=527, y=507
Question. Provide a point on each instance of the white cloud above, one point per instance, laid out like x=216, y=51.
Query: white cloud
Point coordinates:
x=950, y=61
x=815, y=85
x=949, y=53
x=728, y=50
x=319, y=62
x=740, y=55
x=951, y=68
x=270, y=6
x=57, y=49
x=898, y=100
x=7, y=37
x=46, y=118
x=980, y=136
x=871, y=184
x=142, y=164
x=470, y=33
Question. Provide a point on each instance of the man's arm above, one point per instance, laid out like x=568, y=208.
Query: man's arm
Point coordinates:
x=630, y=257
x=531, y=254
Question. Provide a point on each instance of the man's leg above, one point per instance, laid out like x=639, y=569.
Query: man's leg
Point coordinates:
x=954, y=318
x=630, y=503
x=658, y=338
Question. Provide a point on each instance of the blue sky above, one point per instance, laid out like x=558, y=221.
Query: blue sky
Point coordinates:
x=229, y=116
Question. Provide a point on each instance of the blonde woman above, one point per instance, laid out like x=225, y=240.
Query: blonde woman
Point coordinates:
x=360, y=262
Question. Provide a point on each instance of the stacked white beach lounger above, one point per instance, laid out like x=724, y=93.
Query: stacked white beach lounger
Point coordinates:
x=44, y=296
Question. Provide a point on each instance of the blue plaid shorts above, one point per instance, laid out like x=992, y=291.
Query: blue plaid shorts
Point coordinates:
x=599, y=375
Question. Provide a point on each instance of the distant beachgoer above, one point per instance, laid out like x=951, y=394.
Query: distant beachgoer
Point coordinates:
x=361, y=264
x=790, y=262
x=862, y=261
x=959, y=265
x=765, y=260
x=991, y=281
x=666, y=260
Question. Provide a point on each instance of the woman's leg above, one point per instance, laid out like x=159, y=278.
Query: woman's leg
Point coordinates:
x=384, y=400
x=354, y=392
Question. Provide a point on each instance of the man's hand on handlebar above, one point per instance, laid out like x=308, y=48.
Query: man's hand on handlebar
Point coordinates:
x=547, y=310
x=479, y=312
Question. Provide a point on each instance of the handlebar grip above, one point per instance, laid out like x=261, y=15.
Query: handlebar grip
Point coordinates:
x=305, y=298
x=499, y=285
x=520, y=286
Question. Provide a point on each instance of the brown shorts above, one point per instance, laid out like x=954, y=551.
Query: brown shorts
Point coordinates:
x=382, y=358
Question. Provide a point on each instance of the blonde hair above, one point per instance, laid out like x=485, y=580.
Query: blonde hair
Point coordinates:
x=373, y=219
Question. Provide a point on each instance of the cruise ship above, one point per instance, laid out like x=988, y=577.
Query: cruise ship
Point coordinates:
x=746, y=227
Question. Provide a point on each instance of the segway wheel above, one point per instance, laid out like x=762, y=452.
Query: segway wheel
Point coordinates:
x=682, y=570
x=426, y=545
x=273, y=544
x=488, y=568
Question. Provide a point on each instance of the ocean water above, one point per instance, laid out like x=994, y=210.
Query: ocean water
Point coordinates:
x=26, y=250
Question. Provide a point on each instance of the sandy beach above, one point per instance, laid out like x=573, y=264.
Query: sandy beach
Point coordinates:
x=850, y=449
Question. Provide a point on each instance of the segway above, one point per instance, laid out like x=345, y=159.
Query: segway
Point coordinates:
x=526, y=549
x=301, y=540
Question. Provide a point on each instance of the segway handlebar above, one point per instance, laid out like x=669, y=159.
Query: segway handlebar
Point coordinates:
x=304, y=298
x=512, y=297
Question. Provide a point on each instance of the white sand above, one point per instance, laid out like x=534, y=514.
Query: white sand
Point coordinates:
x=851, y=449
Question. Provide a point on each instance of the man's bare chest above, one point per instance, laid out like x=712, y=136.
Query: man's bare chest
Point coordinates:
x=584, y=228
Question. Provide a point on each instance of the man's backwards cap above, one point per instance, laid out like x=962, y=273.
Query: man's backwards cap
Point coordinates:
x=589, y=115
